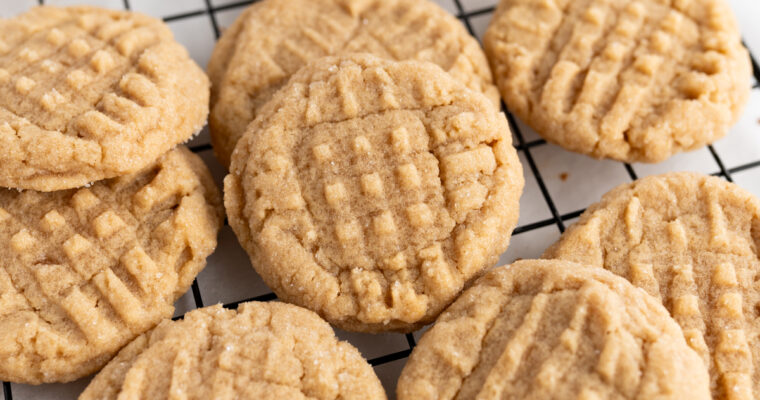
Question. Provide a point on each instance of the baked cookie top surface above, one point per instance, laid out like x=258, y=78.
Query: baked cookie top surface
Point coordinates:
x=89, y=93
x=693, y=241
x=371, y=191
x=553, y=329
x=628, y=80
x=86, y=270
x=274, y=38
x=261, y=351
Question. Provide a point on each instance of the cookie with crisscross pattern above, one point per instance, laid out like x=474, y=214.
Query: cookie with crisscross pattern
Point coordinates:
x=261, y=351
x=372, y=191
x=84, y=271
x=692, y=241
x=272, y=39
x=89, y=93
x=628, y=80
x=550, y=329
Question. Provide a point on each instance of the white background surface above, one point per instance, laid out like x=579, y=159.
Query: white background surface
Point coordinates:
x=559, y=184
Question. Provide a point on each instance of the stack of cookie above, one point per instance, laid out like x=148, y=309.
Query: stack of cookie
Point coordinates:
x=104, y=221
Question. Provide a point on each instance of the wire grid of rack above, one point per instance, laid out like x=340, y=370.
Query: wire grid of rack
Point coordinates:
x=559, y=184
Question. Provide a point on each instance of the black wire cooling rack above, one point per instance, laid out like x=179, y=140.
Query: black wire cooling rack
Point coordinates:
x=543, y=199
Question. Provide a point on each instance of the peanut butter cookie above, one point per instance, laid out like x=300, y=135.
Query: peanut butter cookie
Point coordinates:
x=272, y=39
x=372, y=191
x=84, y=271
x=553, y=330
x=262, y=351
x=628, y=80
x=89, y=93
x=692, y=241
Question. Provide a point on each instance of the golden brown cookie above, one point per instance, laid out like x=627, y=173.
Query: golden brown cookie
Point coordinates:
x=553, y=330
x=628, y=80
x=693, y=241
x=89, y=93
x=86, y=270
x=272, y=39
x=261, y=351
x=372, y=191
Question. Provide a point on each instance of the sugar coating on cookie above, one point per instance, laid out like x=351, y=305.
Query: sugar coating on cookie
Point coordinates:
x=89, y=93
x=84, y=271
x=628, y=80
x=693, y=241
x=272, y=39
x=259, y=351
x=371, y=191
x=553, y=329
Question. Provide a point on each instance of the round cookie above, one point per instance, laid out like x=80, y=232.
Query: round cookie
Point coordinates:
x=89, y=93
x=693, y=241
x=84, y=271
x=261, y=351
x=553, y=329
x=635, y=81
x=372, y=191
x=272, y=39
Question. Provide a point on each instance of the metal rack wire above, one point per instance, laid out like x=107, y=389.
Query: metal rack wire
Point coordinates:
x=523, y=146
